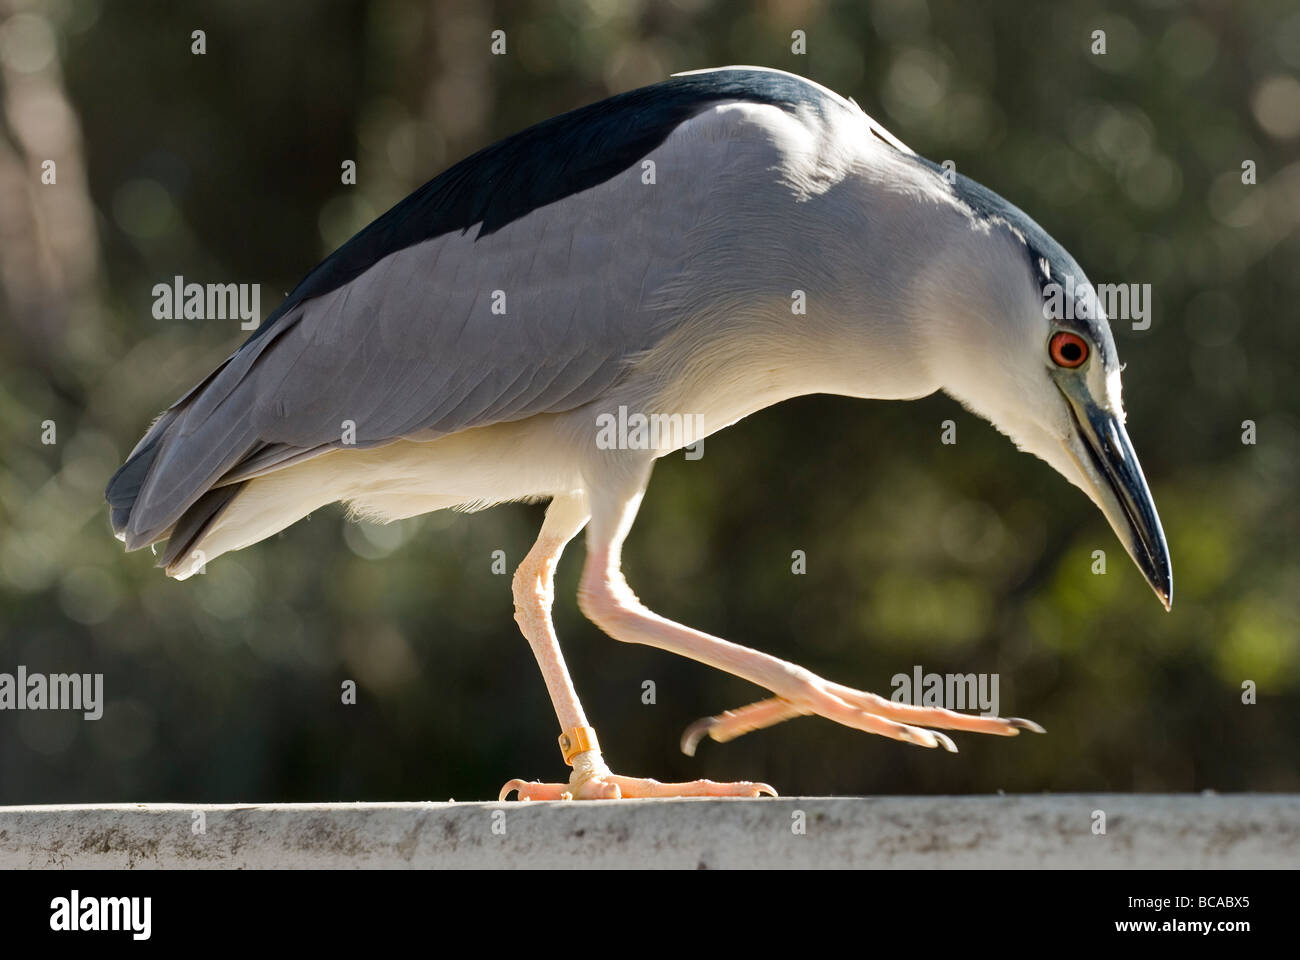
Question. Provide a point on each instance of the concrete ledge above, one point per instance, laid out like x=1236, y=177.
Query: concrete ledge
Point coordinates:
x=1145, y=831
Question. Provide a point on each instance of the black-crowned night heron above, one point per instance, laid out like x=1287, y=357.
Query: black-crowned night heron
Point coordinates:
x=679, y=256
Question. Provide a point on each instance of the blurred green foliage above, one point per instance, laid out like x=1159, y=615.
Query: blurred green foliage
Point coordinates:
x=973, y=557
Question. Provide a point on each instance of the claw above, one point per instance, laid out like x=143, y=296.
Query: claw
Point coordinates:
x=696, y=732
x=922, y=738
x=945, y=742
x=510, y=788
x=1021, y=723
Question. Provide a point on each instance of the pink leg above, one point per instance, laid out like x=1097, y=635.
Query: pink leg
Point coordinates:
x=534, y=593
x=766, y=713
x=609, y=602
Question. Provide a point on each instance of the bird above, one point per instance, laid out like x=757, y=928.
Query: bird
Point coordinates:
x=548, y=317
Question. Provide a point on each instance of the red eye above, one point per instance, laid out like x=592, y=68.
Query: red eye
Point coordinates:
x=1068, y=350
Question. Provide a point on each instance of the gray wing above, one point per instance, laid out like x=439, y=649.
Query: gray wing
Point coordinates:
x=413, y=348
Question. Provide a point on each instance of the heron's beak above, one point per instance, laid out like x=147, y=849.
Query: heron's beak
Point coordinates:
x=1122, y=493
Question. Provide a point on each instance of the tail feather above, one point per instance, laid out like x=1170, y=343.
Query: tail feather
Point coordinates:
x=124, y=486
x=191, y=528
x=188, y=451
x=189, y=460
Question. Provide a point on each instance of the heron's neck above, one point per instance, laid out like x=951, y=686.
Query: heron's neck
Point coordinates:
x=837, y=294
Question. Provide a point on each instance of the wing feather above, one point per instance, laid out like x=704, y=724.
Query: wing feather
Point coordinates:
x=539, y=311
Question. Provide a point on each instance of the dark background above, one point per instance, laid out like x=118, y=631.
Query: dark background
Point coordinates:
x=226, y=168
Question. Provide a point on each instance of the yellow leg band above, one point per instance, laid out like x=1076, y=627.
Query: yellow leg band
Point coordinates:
x=577, y=740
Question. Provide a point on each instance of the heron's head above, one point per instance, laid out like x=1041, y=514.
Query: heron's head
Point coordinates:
x=1022, y=340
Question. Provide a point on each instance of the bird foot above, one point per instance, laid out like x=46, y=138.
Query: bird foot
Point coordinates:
x=868, y=712
x=592, y=780
x=614, y=787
